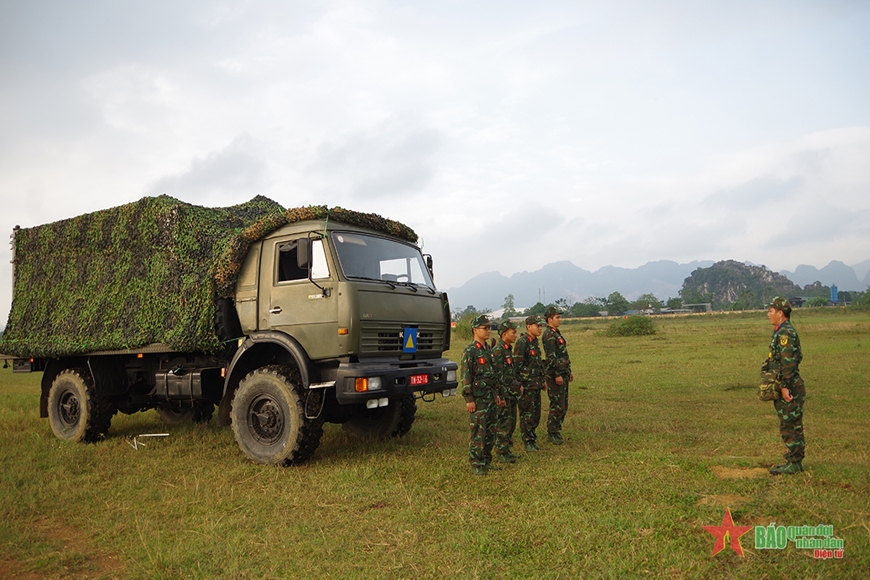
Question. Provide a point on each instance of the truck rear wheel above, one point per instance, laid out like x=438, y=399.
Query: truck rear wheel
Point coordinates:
x=394, y=420
x=268, y=419
x=75, y=412
x=198, y=413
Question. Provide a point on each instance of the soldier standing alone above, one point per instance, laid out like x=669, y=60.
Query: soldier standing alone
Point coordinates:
x=530, y=373
x=783, y=360
x=510, y=389
x=480, y=390
x=558, y=374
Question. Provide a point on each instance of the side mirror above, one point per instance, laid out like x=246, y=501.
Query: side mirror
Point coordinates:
x=428, y=258
x=302, y=253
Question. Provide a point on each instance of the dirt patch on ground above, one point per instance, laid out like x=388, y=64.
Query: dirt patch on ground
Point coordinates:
x=727, y=500
x=759, y=521
x=723, y=472
x=85, y=559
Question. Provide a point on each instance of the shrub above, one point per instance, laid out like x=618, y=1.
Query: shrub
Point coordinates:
x=632, y=326
x=462, y=330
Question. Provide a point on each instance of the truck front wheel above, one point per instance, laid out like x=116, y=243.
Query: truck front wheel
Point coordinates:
x=268, y=419
x=394, y=420
x=75, y=412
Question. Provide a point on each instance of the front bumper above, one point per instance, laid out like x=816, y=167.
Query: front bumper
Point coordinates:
x=388, y=380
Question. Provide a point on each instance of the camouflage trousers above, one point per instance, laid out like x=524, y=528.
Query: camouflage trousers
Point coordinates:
x=558, y=404
x=482, y=423
x=506, y=425
x=530, y=412
x=791, y=422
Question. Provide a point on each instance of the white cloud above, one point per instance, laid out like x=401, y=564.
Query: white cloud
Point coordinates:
x=670, y=130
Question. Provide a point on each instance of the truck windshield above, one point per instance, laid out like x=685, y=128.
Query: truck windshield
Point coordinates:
x=372, y=258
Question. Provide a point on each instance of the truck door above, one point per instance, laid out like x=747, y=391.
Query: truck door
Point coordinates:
x=291, y=302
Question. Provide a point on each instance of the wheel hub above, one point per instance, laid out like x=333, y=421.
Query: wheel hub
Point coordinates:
x=69, y=408
x=265, y=420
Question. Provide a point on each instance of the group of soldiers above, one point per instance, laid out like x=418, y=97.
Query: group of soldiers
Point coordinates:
x=504, y=381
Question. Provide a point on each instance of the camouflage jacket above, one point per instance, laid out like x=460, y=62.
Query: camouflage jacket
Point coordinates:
x=477, y=372
x=527, y=358
x=505, y=370
x=785, y=354
x=556, y=349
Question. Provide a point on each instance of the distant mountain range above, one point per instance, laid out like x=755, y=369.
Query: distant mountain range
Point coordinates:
x=663, y=278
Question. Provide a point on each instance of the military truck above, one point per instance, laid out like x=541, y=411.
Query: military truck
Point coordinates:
x=281, y=319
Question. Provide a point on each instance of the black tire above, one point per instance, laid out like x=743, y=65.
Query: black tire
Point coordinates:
x=75, y=412
x=268, y=419
x=407, y=415
x=198, y=413
x=226, y=320
x=394, y=420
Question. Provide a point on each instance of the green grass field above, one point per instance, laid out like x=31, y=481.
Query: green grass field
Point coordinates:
x=663, y=433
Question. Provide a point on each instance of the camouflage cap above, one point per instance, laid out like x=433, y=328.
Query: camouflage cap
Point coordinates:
x=533, y=319
x=780, y=303
x=551, y=312
x=482, y=320
x=505, y=326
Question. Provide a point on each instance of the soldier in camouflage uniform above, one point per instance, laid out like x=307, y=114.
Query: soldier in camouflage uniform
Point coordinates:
x=783, y=360
x=480, y=390
x=530, y=373
x=510, y=390
x=558, y=373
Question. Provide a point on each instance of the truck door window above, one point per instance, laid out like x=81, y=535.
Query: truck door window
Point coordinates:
x=288, y=262
x=319, y=267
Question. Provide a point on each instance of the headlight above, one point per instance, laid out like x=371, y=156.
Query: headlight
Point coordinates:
x=365, y=384
x=451, y=376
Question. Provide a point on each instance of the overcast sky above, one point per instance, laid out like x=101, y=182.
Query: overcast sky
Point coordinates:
x=507, y=134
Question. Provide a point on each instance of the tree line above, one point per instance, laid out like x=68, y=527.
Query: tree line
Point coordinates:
x=615, y=304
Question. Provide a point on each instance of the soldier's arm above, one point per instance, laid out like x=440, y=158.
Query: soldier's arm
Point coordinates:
x=465, y=369
x=567, y=360
x=788, y=362
x=550, y=352
x=498, y=369
x=520, y=361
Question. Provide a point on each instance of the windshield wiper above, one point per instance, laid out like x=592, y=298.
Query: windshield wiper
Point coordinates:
x=414, y=286
x=387, y=282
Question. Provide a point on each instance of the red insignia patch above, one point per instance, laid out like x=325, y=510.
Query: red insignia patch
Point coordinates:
x=507, y=360
x=532, y=352
x=561, y=340
x=481, y=361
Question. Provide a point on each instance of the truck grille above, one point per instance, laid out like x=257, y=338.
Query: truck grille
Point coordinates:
x=386, y=337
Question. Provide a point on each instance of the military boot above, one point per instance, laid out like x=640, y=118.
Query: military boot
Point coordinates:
x=479, y=470
x=787, y=469
x=531, y=446
x=507, y=457
x=491, y=467
x=555, y=438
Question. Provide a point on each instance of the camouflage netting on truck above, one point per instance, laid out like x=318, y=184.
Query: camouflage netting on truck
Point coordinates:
x=142, y=273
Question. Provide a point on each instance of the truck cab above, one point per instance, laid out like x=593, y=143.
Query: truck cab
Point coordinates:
x=361, y=312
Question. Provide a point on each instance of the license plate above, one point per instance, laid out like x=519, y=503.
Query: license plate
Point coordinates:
x=419, y=380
